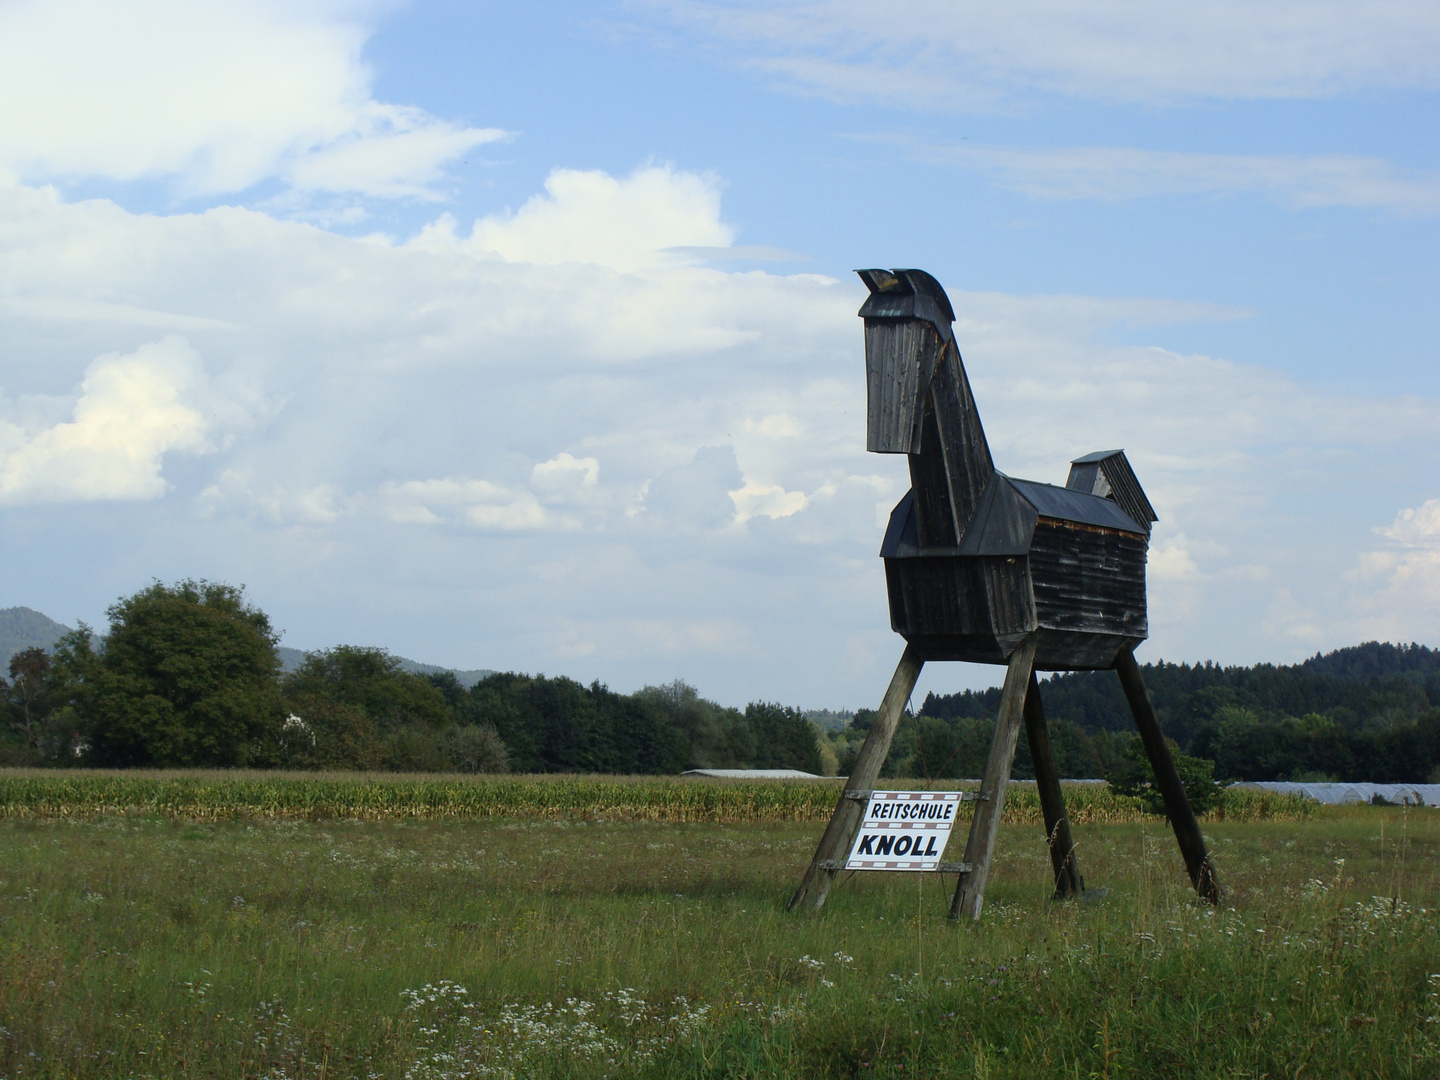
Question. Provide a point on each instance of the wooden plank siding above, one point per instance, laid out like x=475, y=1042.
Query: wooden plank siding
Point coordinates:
x=895, y=377
x=1082, y=588
x=961, y=437
x=1087, y=579
x=935, y=511
x=961, y=608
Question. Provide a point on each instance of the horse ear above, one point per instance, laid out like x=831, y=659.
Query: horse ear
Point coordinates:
x=923, y=284
x=878, y=281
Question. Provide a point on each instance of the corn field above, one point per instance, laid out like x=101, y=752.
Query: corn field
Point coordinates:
x=212, y=796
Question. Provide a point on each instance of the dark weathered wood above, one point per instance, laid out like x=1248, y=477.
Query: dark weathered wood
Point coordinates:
x=961, y=436
x=840, y=833
x=1167, y=779
x=992, y=569
x=985, y=826
x=1065, y=650
x=934, y=508
x=1109, y=475
x=1052, y=799
x=947, y=596
x=900, y=356
x=1088, y=580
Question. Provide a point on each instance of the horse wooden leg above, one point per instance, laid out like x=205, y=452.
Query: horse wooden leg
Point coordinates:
x=840, y=833
x=970, y=891
x=1167, y=779
x=1052, y=800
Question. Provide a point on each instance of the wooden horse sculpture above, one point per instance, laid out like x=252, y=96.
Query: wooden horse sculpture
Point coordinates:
x=993, y=570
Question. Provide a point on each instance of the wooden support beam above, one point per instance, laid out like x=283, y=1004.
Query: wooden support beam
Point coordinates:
x=834, y=846
x=1167, y=779
x=1052, y=799
x=970, y=891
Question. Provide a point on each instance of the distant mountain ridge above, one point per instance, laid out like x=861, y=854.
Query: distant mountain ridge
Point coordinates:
x=26, y=628
x=290, y=659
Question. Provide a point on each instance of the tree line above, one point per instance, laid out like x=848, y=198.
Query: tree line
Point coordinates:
x=189, y=675
x=1370, y=712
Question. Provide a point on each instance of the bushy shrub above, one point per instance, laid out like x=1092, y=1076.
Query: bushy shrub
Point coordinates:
x=1132, y=775
x=414, y=748
x=473, y=748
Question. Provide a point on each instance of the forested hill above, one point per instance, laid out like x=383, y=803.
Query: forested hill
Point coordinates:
x=1370, y=687
x=25, y=628
x=1374, y=660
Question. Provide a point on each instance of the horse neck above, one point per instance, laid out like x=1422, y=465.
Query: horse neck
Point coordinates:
x=953, y=467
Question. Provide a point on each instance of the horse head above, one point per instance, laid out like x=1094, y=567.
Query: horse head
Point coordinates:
x=907, y=329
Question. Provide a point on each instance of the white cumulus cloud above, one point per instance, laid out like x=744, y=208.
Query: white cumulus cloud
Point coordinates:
x=591, y=217
x=212, y=95
x=1400, y=582
x=477, y=503
x=1416, y=528
x=130, y=412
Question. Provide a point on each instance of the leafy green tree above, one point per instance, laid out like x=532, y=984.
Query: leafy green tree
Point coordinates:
x=936, y=749
x=414, y=748
x=365, y=712
x=1110, y=747
x=185, y=676
x=957, y=750
x=372, y=681
x=1075, y=754
x=26, y=699
x=701, y=733
x=331, y=735
x=783, y=738
x=899, y=761
x=863, y=720
x=558, y=725
x=451, y=689
x=1357, y=713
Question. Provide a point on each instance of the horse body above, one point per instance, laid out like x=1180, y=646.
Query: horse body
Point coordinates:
x=976, y=561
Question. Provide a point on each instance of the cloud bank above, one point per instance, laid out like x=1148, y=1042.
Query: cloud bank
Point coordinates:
x=968, y=54
x=212, y=96
x=522, y=445
x=1118, y=173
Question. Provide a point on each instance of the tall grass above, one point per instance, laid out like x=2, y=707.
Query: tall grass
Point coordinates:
x=218, y=795
x=136, y=946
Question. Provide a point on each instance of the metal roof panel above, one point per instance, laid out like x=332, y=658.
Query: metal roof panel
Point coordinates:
x=1098, y=455
x=1067, y=505
x=1003, y=522
x=902, y=538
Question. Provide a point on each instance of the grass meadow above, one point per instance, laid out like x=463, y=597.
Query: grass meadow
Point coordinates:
x=567, y=939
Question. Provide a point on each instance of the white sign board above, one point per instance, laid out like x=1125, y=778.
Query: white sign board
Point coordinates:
x=904, y=830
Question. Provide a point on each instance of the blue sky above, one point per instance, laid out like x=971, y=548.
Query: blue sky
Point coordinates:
x=610, y=89
x=251, y=330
